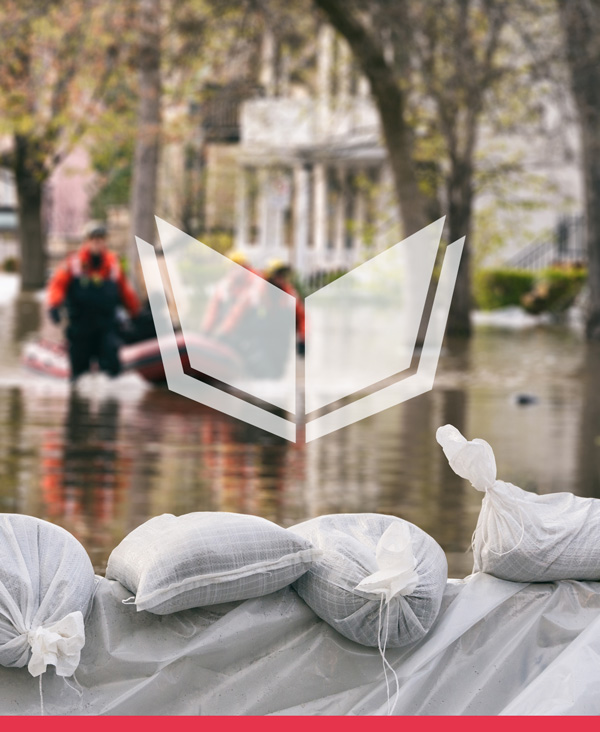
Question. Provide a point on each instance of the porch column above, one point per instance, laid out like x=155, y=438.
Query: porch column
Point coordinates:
x=359, y=222
x=340, y=218
x=320, y=211
x=241, y=234
x=301, y=222
x=263, y=210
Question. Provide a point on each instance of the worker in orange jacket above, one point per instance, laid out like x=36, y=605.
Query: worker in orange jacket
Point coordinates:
x=92, y=285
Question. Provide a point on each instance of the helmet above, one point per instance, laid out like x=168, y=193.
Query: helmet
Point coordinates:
x=238, y=257
x=275, y=266
x=95, y=230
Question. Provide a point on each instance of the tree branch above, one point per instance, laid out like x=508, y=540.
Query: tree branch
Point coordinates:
x=353, y=24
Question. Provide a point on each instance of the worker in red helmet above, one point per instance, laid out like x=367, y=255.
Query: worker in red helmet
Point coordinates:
x=92, y=286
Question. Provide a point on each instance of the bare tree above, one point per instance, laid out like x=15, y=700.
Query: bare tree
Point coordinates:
x=436, y=54
x=179, y=44
x=360, y=25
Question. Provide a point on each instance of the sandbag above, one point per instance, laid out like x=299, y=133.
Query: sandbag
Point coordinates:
x=521, y=536
x=46, y=587
x=379, y=581
x=174, y=563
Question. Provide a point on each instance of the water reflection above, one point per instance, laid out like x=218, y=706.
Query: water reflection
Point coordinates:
x=11, y=449
x=588, y=478
x=101, y=462
x=83, y=474
x=27, y=316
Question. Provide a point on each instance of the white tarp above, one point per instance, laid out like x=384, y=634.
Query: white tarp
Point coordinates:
x=497, y=647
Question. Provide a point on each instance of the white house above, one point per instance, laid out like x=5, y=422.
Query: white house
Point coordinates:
x=314, y=188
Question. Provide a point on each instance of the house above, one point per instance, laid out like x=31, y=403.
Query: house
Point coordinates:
x=314, y=188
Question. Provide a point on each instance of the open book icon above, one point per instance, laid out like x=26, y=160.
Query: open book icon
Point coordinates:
x=362, y=332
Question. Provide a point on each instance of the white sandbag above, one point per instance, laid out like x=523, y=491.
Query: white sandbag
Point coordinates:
x=521, y=536
x=46, y=587
x=174, y=563
x=371, y=563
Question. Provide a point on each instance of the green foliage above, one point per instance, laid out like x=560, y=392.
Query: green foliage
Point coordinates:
x=110, y=143
x=220, y=241
x=551, y=290
x=306, y=286
x=555, y=289
x=500, y=288
x=114, y=192
x=508, y=196
x=10, y=264
x=57, y=63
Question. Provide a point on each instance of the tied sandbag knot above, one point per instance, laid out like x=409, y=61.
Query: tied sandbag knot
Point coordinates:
x=396, y=575
x=474, y=460
x=58, y=644
x=470, y=459
x=396, y=565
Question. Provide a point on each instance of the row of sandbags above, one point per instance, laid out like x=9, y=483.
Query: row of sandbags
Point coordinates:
x=376, y=579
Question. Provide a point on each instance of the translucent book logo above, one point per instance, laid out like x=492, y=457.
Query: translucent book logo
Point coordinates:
x=234, y=348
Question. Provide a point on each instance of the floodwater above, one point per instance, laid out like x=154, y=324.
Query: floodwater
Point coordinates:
x=102, y=458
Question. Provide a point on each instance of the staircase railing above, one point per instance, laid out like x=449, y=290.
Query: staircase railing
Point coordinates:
x=566, y=246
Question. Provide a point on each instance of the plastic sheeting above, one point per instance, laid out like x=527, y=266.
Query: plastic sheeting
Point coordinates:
x=497, y=647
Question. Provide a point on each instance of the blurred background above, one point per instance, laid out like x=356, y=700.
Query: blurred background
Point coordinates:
x=317, y=133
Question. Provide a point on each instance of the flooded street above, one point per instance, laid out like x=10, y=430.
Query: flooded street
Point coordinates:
x=101, y=459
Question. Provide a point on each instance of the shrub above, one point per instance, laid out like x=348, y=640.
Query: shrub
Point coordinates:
x=219, y=240
x=555, y=289
x=499, y=288
x=10, y=264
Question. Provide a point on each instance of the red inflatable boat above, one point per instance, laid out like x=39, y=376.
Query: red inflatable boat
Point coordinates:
x=51, y=359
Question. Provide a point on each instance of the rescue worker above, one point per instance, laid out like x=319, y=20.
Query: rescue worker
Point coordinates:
x=234, y=298
x=92, y=285
x=278, y=274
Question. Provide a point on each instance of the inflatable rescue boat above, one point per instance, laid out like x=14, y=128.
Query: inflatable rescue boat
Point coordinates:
x=51, y=359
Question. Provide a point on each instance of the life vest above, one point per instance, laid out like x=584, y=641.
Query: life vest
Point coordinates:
x=77, y=266
x=93, y=295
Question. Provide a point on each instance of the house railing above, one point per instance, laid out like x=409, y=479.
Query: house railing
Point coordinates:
x=566, y=246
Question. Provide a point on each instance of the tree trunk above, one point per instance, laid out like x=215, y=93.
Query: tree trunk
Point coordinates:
x=581, y=26
x=30, y=175
x=591, y=166
x=588, y=454
x=145, y=170
x=390, y=100
x=389, y=96
x=401, y=154
x=460, y=209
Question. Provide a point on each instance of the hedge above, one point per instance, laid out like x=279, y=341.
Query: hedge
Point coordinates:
x=555, y=289
x=500, y=288
x=552, y=290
